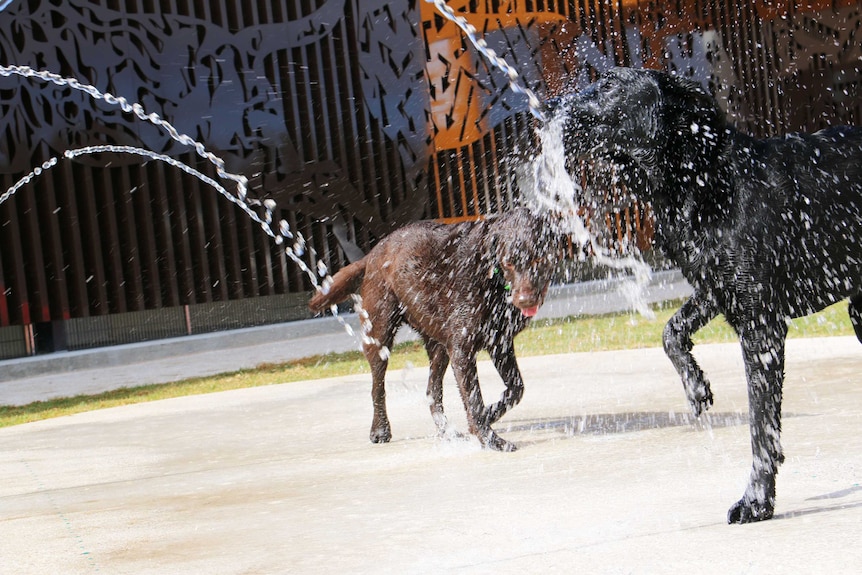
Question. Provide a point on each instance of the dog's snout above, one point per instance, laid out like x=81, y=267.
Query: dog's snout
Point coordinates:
x=560, y=103
x=528, y=295
x=526, y=299
x=552, y=104
x=564, y=105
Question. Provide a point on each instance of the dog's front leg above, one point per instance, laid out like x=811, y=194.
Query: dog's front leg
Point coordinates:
x=695, y=313
x=464, y=366
x=503, y=355
x=855, y=309
x=763, y=353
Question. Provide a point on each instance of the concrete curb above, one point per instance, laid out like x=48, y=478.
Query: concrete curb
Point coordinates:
x=66, y=361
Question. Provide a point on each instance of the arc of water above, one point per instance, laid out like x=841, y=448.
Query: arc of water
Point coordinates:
x=294, y=252
x=70, y=154
x=137, y=110
x=549, y=171
x=482, y=46
x=36, y=172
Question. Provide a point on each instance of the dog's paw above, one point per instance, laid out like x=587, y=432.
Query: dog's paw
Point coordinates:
x=748, y=511
x=699, y=397
x=497, y=443
x=449, y=433
x=380, y=434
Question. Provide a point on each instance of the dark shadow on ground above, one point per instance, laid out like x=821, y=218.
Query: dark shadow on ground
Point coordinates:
x=852, y=503
x=626, y=422
x=837, y=494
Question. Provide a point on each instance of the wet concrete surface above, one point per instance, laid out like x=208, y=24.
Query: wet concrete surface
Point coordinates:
x=612, y=475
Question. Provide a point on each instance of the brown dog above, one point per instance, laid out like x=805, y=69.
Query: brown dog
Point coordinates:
x=464, y=288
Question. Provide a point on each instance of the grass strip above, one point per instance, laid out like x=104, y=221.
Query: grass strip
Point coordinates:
x=543, y=337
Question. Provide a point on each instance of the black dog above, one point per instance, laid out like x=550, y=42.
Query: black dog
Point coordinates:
x=764, y=230
x=464, y=288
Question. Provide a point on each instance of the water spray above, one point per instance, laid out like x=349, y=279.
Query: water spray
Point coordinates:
x=556, y=192
x=555, y=189
x=498, y=62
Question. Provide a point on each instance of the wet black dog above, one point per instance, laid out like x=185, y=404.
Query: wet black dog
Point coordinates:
x=764, y=230
x=464, y=288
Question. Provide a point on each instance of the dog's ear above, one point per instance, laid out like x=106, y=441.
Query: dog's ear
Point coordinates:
x=694, y=114
x=488, y=249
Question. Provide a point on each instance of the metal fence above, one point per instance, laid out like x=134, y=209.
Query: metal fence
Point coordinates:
x=354, y=116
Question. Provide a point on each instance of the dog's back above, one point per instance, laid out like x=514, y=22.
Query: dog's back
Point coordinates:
x=447, y=276
x=797, y=205
x=409, y=247
x=410, y=264
x=432, y=270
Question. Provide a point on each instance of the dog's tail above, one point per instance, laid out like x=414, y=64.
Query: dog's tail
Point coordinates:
x=345, y=282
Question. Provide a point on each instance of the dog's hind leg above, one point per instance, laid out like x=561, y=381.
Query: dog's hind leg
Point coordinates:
x=439, y=360
x=507, y=367
x=695, y=313
x=385, y=320
x=763, y=352
x=856, y=315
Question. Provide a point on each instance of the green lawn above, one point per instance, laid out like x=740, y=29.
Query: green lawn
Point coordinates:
x=580, y=334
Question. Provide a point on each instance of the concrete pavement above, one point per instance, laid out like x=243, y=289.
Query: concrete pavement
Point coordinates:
x=611, y=476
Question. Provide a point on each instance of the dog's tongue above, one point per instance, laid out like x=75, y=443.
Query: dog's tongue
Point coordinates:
x=530, y=311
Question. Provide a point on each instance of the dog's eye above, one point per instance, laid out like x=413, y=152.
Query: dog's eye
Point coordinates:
x=507, y=265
